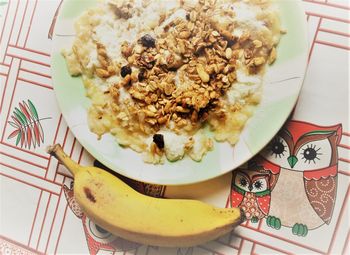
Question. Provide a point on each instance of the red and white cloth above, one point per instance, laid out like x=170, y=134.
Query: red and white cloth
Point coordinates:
x=38, y=211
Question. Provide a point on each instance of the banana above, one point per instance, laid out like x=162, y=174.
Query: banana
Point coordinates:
x=124, y=212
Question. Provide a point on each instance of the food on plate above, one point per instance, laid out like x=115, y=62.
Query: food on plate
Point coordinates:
x=166, y=78
x=122, y=211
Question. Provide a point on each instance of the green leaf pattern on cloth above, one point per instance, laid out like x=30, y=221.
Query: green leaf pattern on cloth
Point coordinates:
x=28, y=129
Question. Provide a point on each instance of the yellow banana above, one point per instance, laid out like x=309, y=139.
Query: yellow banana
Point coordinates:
x=124, y=212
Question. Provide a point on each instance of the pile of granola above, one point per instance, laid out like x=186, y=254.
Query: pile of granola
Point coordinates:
x=175, y=68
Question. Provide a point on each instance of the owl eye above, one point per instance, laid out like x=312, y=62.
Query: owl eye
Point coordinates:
x=258, y=185
x=277, y=147
x=277, y=151
x=99, y=233
x=311, y=153
x=243, y=182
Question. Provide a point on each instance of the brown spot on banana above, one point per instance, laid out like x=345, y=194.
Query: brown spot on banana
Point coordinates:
x=89, y=195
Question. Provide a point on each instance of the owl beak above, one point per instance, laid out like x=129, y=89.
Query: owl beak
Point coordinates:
x=292, y=160
x=250, y=187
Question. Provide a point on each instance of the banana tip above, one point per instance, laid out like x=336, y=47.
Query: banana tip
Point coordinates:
x=51, y=149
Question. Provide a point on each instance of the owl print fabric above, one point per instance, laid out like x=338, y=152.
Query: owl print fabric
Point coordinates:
x=251, y=190
x=302, y=156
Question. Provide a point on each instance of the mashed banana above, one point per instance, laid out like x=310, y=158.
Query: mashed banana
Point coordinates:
x=160, y=73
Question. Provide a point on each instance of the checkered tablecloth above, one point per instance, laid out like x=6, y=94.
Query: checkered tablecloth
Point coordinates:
x=37, y=212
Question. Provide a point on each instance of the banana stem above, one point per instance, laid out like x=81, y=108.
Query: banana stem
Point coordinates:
x=57, y=151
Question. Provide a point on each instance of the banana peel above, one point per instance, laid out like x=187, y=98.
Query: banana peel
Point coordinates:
x=124, y=212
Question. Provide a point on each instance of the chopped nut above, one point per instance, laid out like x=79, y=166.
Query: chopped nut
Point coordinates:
x=102, y=73
x=181, y=123
x=114, y=92
x=147, y=99
x=244, y=37
x=169, y=89
x=223, y=44
x=257, y=43
x=168, y=107
x=228, y=69
x=181, y=109
x=126, y=49
x=273, y=55
x=131, y=59
x=152, y=108
x=103, y=61
x=225, y=79
x=162, y=120
x=138, y=49
x=190, y=26
x=151, y=121
x=248, y=54
x=202, y=73
x=111, y=70
x=193, y=16
x=101, y=50
x=125, y=81
x=194, y=116
x=228, y=53
x=258, y=61
x=149, y=113
x=137, y=95
x=213, y=95
x=181, y=46
x=154, y=97
x=232, y=77
x=174, y=61
x=152, y=86
x=134, y=77
x=123, y=116
x=215, y=33
x=184, y=34
x=237, y=54
x=227, y=35
x=189, y=144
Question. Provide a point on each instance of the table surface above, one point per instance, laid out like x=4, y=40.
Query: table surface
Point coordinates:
x=37, y=216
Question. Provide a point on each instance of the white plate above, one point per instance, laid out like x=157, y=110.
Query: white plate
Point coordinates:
x=283, y=83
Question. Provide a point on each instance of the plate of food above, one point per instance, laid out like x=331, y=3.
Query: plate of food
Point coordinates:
x=178, y=91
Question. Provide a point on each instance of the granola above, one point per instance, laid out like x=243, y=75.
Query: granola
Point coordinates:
x=160, y=73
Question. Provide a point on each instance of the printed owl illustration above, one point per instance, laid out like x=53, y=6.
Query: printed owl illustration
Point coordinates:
x=304, y=157
x=251, y=190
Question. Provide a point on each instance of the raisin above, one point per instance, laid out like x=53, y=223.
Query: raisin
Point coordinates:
x=148, y=41
x=158, y=140
x=141, y=75
x=125, y=71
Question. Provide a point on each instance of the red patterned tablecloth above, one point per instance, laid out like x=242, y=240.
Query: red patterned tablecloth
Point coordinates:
x=38, y=211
